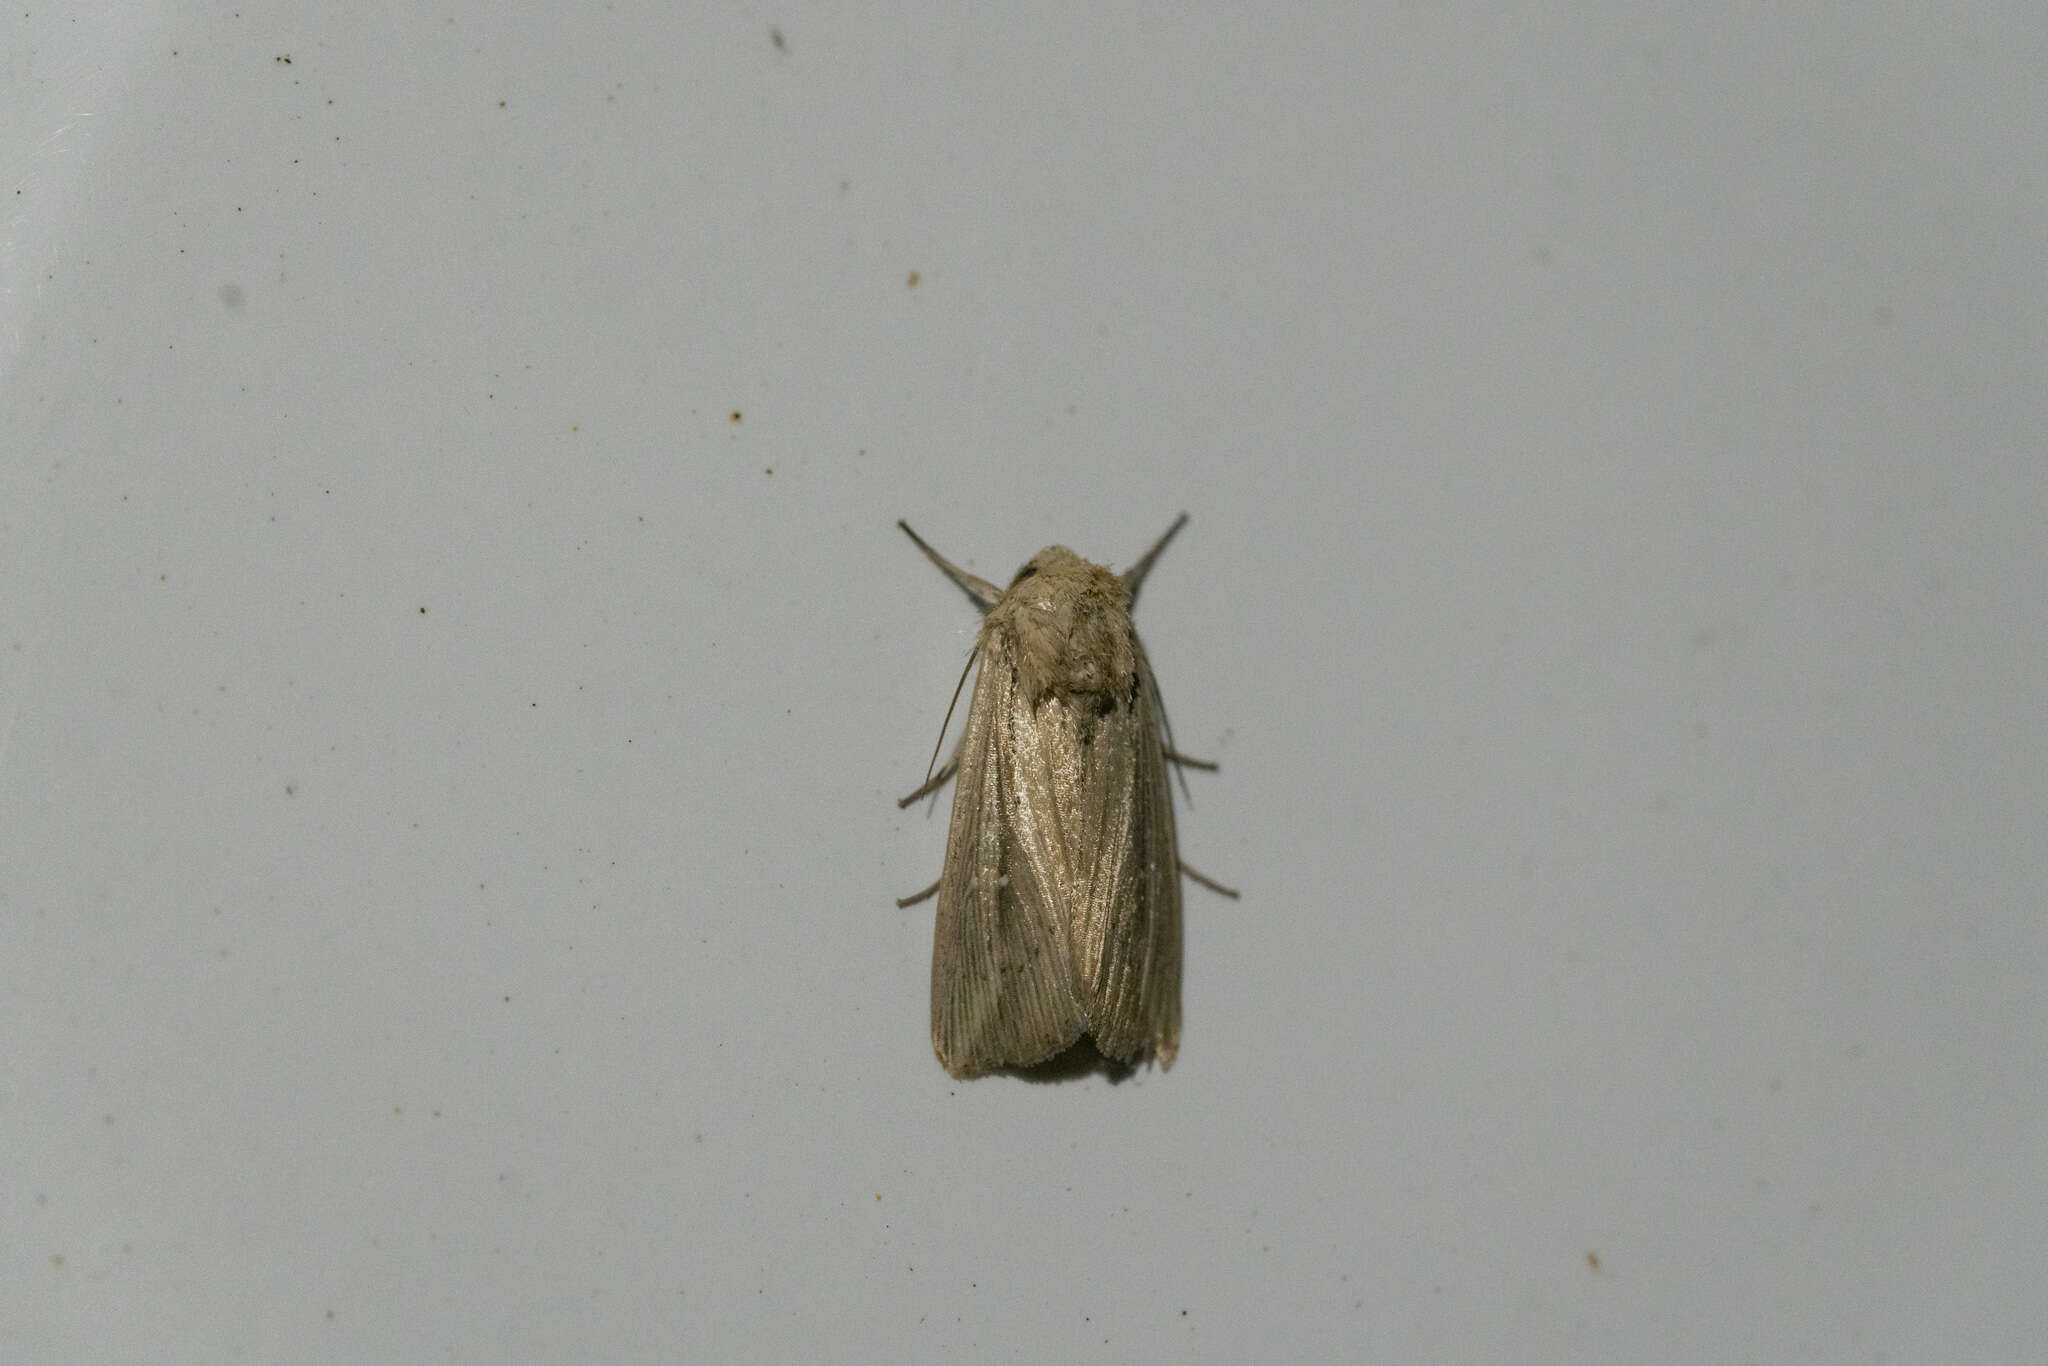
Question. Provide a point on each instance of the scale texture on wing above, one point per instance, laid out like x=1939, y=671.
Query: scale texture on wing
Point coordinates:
x=1095, y=822
x=1135, y=1006
x=1002, y=981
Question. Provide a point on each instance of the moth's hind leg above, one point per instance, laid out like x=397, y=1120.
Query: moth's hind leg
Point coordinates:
x=1176, y=757
x=1188, y=872
x=904, y=903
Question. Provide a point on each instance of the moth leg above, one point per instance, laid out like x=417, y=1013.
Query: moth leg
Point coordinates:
x=1186, y=871
x=935, y=782
x=1176, y=757
x=904, y=903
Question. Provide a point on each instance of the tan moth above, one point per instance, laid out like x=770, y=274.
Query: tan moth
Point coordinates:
x=1059, y=905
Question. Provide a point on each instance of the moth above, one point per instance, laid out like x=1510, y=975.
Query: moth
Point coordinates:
x=1059, y=908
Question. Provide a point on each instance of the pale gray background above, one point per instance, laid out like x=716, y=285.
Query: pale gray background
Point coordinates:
x=446, y=839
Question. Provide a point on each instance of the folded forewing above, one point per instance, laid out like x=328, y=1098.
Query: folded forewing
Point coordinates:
x=1094, y=827
x=1002, y=991
x=1132, y=914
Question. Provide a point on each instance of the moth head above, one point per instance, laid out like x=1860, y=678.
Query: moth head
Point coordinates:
x=1053, y=567
x=1056, y=578
x=1071, y=623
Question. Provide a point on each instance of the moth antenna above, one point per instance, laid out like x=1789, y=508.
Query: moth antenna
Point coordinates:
x=1180, y=766
x=1135, y=575
x=942, y=726
x=1180, y=770
x=984, y=593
